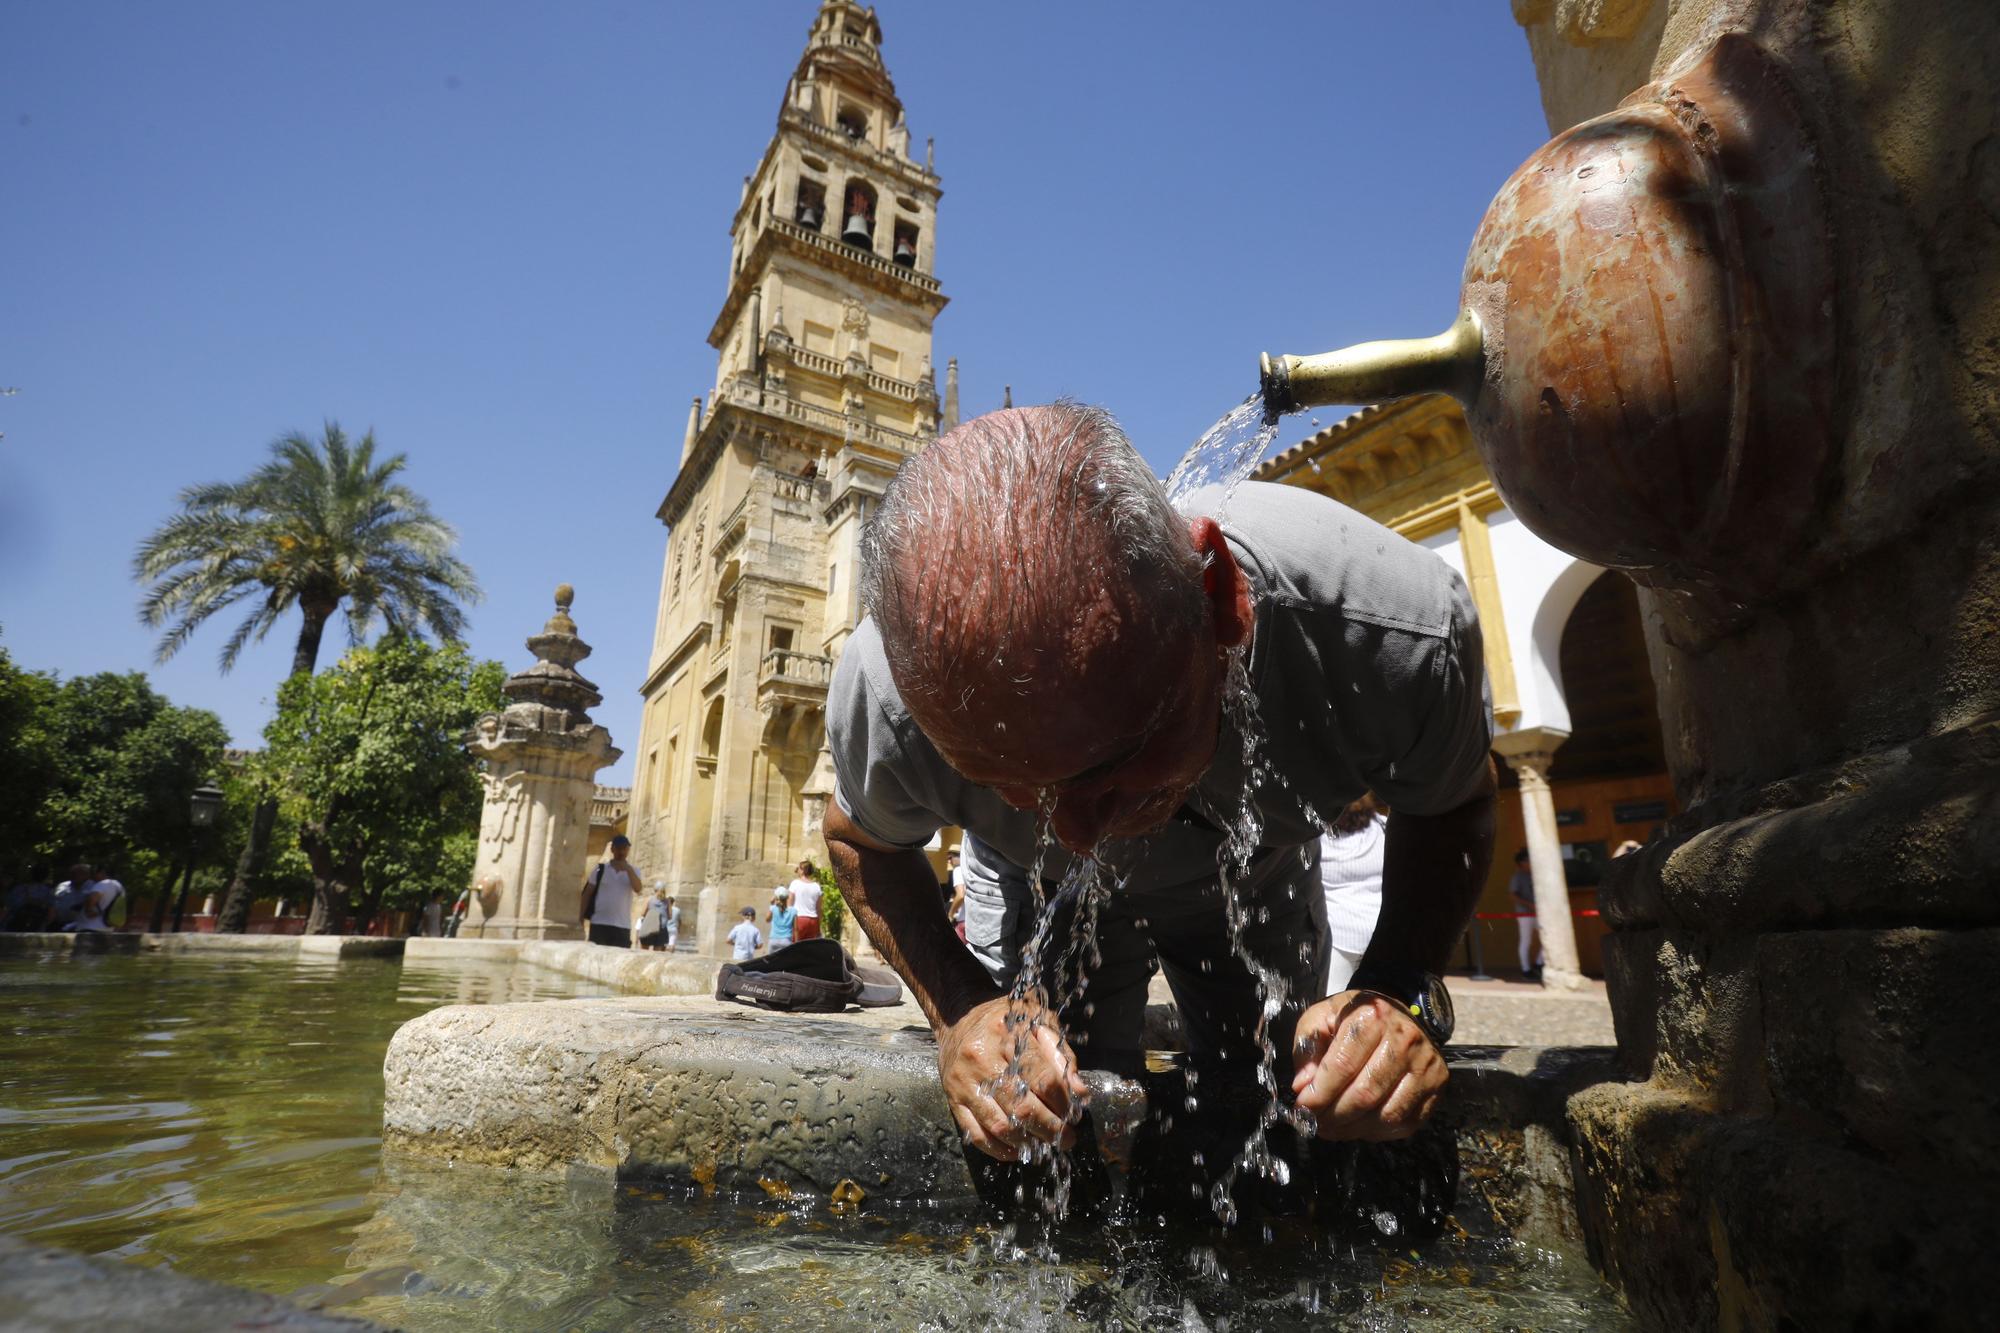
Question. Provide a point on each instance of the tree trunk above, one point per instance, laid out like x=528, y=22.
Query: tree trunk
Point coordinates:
x=335, y=874
x=160, y=900
x=235, y=915
x=305, y=653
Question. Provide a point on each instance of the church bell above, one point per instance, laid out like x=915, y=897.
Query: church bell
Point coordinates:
x=856, y=232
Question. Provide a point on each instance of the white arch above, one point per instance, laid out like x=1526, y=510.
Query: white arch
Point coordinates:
x=1539, y=587
x=1545, y=651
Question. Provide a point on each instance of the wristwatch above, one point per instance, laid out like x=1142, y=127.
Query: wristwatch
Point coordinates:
x=1420, y=994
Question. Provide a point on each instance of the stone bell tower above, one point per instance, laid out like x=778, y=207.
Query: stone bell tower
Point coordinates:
x=541, y=753
x=823, y=387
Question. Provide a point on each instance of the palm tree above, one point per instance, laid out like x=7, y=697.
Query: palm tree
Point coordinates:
x=322, y=526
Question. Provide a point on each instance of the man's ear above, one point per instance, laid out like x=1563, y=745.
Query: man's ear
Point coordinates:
x=1222, y=582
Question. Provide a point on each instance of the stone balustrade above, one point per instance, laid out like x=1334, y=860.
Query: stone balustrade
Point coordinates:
x=867, y=259
x=743, y=394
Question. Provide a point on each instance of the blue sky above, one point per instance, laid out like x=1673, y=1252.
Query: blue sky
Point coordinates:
x=496, y=233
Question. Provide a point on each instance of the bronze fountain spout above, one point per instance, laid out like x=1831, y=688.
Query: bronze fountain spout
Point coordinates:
x=1645, y=347
x=1453, y=362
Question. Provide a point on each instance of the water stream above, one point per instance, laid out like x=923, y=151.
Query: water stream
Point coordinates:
x=1222, y=457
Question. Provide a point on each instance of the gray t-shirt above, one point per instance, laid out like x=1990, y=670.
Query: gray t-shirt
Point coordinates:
x=1366, y=663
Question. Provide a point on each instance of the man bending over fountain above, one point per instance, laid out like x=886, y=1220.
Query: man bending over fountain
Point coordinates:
x=1051, y=645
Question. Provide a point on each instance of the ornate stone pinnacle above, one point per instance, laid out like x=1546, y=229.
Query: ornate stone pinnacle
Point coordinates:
x=560, y=623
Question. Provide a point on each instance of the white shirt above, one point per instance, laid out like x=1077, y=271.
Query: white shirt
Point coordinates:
x=1350, y=872
x=805, y=896
x=94, y=905
x=616, y=891
x=746, y=939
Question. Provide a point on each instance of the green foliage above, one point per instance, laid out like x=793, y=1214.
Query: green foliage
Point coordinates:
x=832, y=907
x=320, y=526
x=100, y=769
x=370, y=758
x=27, y=752
x=286, y=874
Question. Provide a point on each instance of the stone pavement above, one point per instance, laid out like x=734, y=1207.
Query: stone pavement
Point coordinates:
x=1507, y=1011
x=1500, y=1011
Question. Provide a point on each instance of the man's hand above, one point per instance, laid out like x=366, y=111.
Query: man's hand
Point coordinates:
x=1000, y=1111
x=1365, y=1069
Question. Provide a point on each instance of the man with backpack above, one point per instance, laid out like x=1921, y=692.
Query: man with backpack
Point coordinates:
x=608, y=897
x=96, y=902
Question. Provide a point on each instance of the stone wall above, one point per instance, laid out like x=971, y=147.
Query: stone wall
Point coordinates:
x=1801, y=967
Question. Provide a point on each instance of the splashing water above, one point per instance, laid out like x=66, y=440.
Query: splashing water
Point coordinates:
x=1226, y=453
x=1242, y=838
x=1224, y=457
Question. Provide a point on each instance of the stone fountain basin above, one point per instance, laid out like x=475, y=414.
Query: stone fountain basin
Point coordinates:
x=705, y=1093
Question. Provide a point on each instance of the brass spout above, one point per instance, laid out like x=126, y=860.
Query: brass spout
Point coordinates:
x=1453, y=362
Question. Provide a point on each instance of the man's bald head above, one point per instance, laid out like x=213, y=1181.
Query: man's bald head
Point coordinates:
x=1016, y=562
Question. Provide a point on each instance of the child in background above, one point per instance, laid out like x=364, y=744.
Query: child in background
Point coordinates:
x=745, y=937
x=783, y=918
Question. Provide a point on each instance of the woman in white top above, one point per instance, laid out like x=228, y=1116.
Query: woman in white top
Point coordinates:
x=1350, y=871
x=806, y=893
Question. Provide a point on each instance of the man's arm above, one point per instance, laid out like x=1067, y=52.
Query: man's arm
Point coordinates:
x=1362, y=1066
x=893, y=894
x=1432, y=871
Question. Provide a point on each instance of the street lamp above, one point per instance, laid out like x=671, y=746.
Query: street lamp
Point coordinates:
x=203, y=808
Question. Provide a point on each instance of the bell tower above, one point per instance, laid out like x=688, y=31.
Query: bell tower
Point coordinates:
x=823, y=387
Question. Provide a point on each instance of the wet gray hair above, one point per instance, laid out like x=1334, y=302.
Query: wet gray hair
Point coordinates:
x=992, y=547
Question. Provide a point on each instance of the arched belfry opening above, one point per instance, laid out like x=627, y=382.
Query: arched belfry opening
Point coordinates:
x=857, y=225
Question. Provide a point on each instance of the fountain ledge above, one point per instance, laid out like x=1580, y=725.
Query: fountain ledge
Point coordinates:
x=706, y=1094
x=15, y=945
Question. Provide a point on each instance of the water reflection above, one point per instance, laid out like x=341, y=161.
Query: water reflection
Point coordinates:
x=221, y=1116
x=252, y=1156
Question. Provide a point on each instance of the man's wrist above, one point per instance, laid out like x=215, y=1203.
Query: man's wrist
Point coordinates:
x=1418, y=992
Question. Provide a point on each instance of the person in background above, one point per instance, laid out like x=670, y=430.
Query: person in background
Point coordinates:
x=784, y=917
x=1350, y=873
x=673, y=923
x=653, y=921
x=744, y=937
x=1625, y=848
x=459, y=909
x=30, y=901
x=952, y=886
x=434, y=917
x=93, y=912
x=1521, y=887
x=610, y=896
x=806, y=894
x=68, y=899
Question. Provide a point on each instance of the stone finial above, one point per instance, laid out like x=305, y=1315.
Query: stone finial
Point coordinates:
x=560, y=623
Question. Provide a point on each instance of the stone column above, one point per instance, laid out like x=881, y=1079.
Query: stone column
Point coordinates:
x=1529, y=753
x=542, y=753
